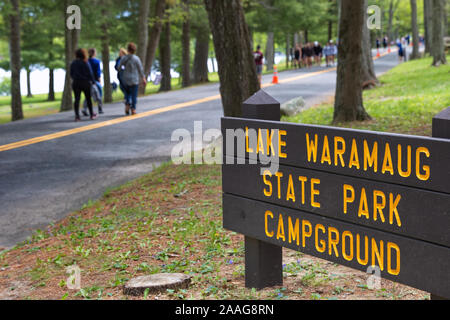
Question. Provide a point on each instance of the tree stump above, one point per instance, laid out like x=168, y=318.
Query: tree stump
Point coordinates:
x=156, y=283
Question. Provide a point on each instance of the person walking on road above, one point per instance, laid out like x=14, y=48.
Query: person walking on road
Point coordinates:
x=259, y=57
x=132, y=75
x=122, y=53
x=318, y=53
x=82, y=80
x=96, y=69
x=297, y=56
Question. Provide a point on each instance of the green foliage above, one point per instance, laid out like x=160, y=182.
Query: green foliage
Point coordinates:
x=408, y=98
x=5, y=86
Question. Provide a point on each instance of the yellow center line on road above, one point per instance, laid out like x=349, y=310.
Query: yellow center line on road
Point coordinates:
x=65, y=133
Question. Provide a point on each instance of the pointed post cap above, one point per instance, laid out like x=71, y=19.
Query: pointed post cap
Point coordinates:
x=261, y=106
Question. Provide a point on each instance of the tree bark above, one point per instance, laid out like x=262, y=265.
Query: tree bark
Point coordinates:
x=144, y=10
x=155, y=34
x=66, y=101
x=428, y=23
x=107, y=88
x=201, y=56
x=165, y=58
x=270, y=51
x=237, y=70
x=71, y=44
x=186, y=48
x=438, y=49
x=368, y=76
x=348, y=101
x=29, y=94
x=51, y=85
x=288, y=49
x=330, y=23
x=15, y=62
x=415, y=30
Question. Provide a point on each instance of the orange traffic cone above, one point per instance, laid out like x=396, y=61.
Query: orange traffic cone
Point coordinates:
x=378, y=53
x=389, y=49
x=275, y=75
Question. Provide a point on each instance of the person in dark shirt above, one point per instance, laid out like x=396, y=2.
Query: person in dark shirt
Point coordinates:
x=82, y=79
x=259, y=57
x=318, y=53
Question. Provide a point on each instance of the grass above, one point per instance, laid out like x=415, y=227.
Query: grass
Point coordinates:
x=408, y=98
x=171, y=221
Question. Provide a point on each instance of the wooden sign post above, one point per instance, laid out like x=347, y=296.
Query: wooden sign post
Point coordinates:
x=358, y=198
x=441, y=129
x=258, y=273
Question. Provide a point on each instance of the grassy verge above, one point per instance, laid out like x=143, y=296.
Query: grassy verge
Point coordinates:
x=170, y=221
x=408, y=98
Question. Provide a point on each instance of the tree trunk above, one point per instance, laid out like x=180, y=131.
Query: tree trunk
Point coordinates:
x=288, y=49
x=155, y=34
x=438, y=49
x=51, y=85
x=29, y=94
x=330, y=23
x=368, y=76
x=237, y=70
x=201, y=56
x=15, y=63
x=71, y=44
x=392, y=8
x=165, y=58
x=415, y=30
x=107, y=88
x=349, y=102
x=66, y=101
x=144, y=10
x=186, y=48
x=306, y=36
x=428, y=23
x=270, y=51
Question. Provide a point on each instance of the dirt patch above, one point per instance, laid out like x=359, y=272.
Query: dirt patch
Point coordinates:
x=167, y=222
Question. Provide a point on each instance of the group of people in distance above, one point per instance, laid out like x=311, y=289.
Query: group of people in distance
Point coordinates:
x=85, y=72
x=313, y=53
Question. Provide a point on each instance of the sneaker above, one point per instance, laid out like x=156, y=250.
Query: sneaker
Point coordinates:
x=84, y=112
x=100, y=110
x=94, y=116
x=133, y=112
x=77, y=119
x=127, y=109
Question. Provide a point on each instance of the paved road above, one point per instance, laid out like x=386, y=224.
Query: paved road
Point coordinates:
x=42, y=182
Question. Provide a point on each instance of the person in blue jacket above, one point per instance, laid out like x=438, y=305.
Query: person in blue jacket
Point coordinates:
x=96, y=69
x=82, y=79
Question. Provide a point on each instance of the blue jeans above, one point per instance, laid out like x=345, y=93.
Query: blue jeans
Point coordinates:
x=131, y=93
x=100, y=89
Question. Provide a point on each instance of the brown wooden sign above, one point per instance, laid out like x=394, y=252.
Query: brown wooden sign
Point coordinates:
x=354, y=197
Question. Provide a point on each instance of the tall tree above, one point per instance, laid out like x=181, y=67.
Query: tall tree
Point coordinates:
x=368, y=76
x=154, y=37
x=428, y=24
x=144, y=11
x=186, y=46
x=415, y=30
x=200, y=27
x=71, y=42
x=348, y=100
x=438, y=49
x=393, y=5
x=15, y=64
x=237, y=70
x=165, y=58
x=105, y=38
